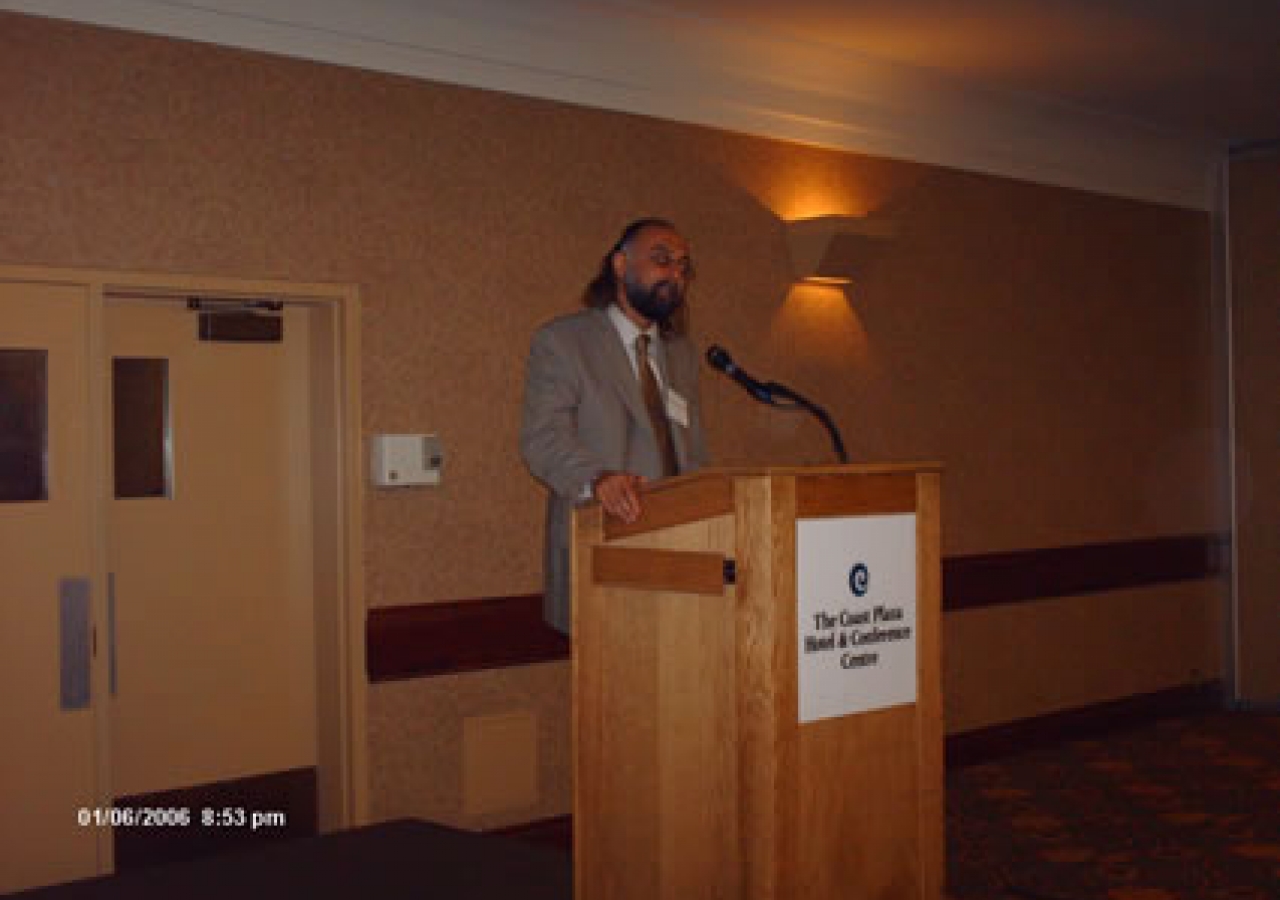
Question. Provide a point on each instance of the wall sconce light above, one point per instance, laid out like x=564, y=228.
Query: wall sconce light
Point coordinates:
x=833, y=249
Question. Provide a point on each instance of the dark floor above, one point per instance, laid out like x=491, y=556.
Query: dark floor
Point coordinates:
x=1183, y=809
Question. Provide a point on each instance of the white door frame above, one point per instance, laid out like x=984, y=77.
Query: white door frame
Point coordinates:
x=340, y=645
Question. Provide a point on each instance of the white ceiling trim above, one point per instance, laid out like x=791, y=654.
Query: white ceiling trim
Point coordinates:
x=629, y=57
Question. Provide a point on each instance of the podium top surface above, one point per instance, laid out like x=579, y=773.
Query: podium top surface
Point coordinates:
x=886, y=468
x=823, y=490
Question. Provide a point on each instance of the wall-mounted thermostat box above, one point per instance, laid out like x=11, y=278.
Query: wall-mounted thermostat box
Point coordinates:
x=405, y=460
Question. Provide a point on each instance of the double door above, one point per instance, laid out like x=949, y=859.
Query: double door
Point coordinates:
x=157, y=625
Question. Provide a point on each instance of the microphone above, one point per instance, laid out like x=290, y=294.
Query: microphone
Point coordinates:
x=720, y=359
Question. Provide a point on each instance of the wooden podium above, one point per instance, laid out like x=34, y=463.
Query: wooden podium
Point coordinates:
x=694, y=776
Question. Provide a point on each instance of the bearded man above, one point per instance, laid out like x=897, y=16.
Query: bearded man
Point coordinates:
x=611, y=394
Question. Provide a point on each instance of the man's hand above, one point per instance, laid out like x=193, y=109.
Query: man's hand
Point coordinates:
x=619, y=494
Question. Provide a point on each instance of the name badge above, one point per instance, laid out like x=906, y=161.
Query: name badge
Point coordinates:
x=677, y=408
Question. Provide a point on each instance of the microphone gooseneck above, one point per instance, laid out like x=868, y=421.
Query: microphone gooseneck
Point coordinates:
x=719, y=359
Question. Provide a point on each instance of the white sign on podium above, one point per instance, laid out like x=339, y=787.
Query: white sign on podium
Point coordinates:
x=856, y=602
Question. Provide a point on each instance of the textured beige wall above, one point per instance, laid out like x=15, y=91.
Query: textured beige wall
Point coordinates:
x=1004, y=663
x=416, y=732
x=1051, y=347
x=1255, y=278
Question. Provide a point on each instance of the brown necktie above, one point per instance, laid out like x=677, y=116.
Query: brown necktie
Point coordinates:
x=657, y=410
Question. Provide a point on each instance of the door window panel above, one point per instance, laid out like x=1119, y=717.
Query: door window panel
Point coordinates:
x=24, y=425
x=140, y=410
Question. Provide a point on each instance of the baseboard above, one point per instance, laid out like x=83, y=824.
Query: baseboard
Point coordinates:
x=1261, y=707
x=985, y=744
x=556, y=831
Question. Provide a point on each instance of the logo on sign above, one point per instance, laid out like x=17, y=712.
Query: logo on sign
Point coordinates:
x=858, y=577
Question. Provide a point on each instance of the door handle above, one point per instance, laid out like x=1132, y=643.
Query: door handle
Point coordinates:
x=111, y=633
x=73, y=635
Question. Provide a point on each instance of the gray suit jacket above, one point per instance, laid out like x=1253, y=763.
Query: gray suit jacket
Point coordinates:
x=583, y=415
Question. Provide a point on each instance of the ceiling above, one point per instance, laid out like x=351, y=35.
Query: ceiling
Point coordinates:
x=1136, y=98
x=1204, y=67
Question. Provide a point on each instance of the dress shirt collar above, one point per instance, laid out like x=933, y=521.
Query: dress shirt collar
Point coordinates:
x=628, y=332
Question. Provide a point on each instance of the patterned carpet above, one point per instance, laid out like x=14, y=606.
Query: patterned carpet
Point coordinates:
x=1184, y=809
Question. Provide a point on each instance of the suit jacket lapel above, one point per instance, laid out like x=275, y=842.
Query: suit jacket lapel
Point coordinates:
x=618, y=365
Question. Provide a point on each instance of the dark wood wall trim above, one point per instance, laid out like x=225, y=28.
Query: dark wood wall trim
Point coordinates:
x=460, y=636
x=989, y=579
x=495, y=632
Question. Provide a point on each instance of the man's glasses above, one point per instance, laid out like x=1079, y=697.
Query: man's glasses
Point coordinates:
x=662, y=257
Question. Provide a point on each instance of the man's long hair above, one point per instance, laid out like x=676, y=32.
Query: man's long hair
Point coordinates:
x=603, y=289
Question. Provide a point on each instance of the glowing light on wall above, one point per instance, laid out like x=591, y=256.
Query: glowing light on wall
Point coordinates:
x=820, y=319
x=795, y=182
